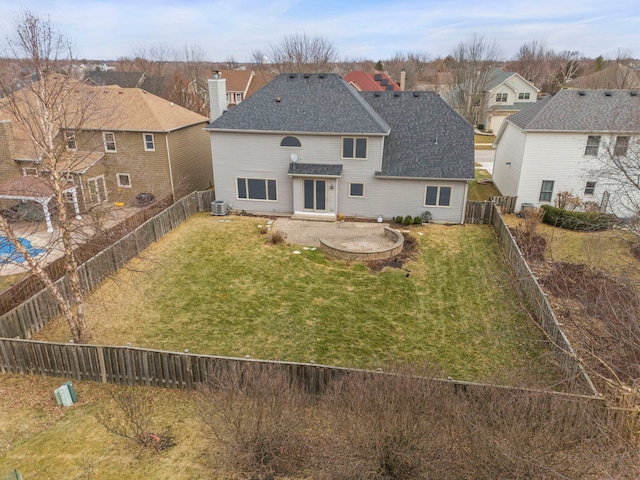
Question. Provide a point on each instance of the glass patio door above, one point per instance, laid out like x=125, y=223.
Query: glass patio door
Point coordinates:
x=315, y=195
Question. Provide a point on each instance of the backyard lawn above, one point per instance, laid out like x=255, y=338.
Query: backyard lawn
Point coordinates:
x=479, y=192
x=216, y=286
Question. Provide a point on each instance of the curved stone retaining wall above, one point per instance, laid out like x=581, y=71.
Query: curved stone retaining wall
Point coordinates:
x=339, y=252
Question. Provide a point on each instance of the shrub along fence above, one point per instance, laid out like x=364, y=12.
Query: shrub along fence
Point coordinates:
x=101, y=259
x=145, y=367
x=542, y=311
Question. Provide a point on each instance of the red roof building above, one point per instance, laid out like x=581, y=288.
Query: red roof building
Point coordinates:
x=371, y=82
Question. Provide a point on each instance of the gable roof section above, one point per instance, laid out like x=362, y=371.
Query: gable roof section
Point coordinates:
x=582, y=111
x=237, y=80
x=498, y=77
x=122, y=79
x=616, y=75
x=428, y=138
x=304, y=103
x=366, y=82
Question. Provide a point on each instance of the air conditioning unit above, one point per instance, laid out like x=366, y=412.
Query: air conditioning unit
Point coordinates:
x=219, y=207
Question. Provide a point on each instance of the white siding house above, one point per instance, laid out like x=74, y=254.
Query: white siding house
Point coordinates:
x=568, y=143
x=311, y=145
x=507, y=93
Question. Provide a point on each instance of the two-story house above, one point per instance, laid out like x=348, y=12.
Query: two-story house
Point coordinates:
x=313, y=146
x=575, y=141
x=507, y=93
x=115, y=144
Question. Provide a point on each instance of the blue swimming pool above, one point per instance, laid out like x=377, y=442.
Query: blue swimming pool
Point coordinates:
x=8, y=253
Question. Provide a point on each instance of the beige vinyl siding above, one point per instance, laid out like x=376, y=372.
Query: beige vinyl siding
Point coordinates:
x=190, y=150
x=9, y=168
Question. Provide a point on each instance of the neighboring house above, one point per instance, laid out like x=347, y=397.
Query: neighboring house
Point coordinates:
x=567, y=143
x=160, y=86
x=313, y=146
x=371, y=82
x=615, y=76
x=238, y=85
x=507, y=93
x=128, y=142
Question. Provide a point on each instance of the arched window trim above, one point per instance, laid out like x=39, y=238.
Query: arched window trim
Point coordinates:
x=290, y=141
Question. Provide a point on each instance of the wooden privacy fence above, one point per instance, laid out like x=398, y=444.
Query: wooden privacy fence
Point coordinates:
x=506, y=204
x=29, y=286
x=541, y=308
x=479, y=212
x=144, y=367
x=33, y=313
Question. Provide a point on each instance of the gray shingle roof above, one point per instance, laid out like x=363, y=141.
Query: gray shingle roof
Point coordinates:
x=428, y=138
x=583, y=111
x=315, y=103
x=496, y=77
x=315, y=169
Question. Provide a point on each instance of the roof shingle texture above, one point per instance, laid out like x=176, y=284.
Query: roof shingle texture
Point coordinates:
x=314, y=103
x=315, y=169
x=428, y=138
x=582, y=111
x=366, y=82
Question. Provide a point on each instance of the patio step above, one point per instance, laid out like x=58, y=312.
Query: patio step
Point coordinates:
x=317, y=217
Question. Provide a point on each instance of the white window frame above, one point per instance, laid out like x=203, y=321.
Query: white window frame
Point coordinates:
x=71, y=140
x=146, y=142
x=29, y=172
x=524, y=96
x=266, y=185
x=544, y=192
x=107, y=143
x=591, y=145
x=590, y=189
x=501, y=97
x=363, y=190
x=355, y=148
x=238, y=97
x=438, y=194
x=621, y=148
x=228, y=98
x=125, y=175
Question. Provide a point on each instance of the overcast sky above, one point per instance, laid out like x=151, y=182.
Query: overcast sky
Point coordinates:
x=373, y=29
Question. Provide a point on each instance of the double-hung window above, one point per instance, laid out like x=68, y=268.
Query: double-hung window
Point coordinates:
x=590, y=188
x=621, y=146
x=354, y=147
x=501, y=97
x=109, y=141
x=593, y=145
x=124, y=180
x=149, y=143
x=257, y=189
x=524, y=96
x=71, y=141
x=546, y=191
x=437, y=196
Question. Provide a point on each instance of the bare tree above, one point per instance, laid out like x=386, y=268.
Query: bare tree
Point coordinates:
x=43, y=118
x=532, y=61
x=565, y=66
x=302, y=53
x=413, y=63
x=471, y=64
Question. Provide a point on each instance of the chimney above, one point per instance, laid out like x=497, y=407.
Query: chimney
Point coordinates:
x=403, y=79
x=217, y=95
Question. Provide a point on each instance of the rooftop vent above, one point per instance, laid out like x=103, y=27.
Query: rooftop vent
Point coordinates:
x=396, y=94
x=607, y=94
x=582, y=93
x=292, y=75
x=278, y=99
x=321, y=75
x=376, y=94
x=633, y=93
x=416, y=94
x=306, y=75
x=377, y=77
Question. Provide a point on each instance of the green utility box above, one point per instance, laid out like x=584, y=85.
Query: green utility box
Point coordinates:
x=65, y=394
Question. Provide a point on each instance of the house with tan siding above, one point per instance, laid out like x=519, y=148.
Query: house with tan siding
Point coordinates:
x=313, y=146
x=118, y=143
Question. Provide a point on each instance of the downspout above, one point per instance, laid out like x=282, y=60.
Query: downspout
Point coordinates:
x=166, y=139
x=464, y=202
